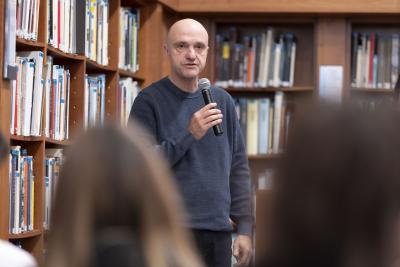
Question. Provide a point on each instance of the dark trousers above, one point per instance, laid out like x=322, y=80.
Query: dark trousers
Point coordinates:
x=214, y=247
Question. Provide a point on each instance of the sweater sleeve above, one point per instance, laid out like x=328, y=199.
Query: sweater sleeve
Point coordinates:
x=175, y=146
x=240, y=182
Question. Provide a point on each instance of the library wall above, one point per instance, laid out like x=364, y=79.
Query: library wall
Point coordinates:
x=322, y=30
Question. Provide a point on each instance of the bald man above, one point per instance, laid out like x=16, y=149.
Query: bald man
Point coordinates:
x=212, y=171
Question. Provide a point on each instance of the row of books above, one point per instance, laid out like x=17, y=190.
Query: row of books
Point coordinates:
x=127, y=92
x=94, y=100
x=375, y=60
x=128, y=42
x=57, y=96
x=264, y=123
x=27, y=15
x=27, y=94
x=61, y=21
x=81, y=27
x=96, y=28
x=260, y=60
x=22, y=191
x=53, y=161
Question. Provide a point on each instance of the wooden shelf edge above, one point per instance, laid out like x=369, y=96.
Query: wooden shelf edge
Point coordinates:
x=372, y=90
x=297, y=7
x=26, y=138
x=33, y=44
x=29, y=234
x=126, y=73
x=56, y=142
x=136, y=3
x=60, y=54
x=265, y=157
x=295, y=89
x=93, y=65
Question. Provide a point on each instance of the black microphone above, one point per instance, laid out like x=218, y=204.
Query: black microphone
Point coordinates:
x=204, y=86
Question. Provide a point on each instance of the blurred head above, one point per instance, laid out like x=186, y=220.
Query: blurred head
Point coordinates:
x=114, y=189
x=336, y=199
x=187, y=47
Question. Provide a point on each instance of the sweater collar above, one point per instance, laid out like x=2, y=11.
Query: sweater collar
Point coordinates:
x=179, y=92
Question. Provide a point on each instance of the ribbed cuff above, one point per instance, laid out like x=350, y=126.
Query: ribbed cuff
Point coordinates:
x=245, y=227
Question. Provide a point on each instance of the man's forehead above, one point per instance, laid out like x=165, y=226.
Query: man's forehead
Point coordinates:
x=189, y=37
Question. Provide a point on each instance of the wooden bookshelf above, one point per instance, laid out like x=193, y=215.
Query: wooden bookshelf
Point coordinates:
x=134, y=75
x=23, y=44
x=372, y=90
x=25, y=235
x=78, y=65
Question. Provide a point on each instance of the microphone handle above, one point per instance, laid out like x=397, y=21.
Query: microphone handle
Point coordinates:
x=207, y=100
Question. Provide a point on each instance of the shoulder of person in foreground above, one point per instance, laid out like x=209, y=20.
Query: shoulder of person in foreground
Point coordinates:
x=13, y=256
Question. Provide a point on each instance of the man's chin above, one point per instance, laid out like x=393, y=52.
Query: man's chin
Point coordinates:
x=190, y=75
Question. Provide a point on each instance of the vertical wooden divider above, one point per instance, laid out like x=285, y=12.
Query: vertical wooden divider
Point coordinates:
x=4, y=104
x=76, y=107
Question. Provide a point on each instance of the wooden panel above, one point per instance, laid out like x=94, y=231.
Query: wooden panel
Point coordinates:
x=42, y=27
x=286, y=6
x=333, y=45
x=4, y=128
x=171, y=3
x=77, y=70
x=263, y=202
x=111, y=97
x=113, y=34
x=153, y=33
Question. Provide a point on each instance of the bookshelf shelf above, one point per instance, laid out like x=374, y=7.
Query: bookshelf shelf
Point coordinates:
x=26, y=138
x=56, y=53
x=136, y=3
x=245, y=90
x=265, y=157
x=51, y=142
x=94, y=66
x=126, y=73
x=23, y=44
x=372, y=90
x=29, y=234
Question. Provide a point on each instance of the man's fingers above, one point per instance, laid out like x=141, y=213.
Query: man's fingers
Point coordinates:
x=212, y=123
x=246, y=258
x=213, y=118
x=208, y=106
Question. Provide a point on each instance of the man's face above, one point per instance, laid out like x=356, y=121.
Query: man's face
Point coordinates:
x=187, y=49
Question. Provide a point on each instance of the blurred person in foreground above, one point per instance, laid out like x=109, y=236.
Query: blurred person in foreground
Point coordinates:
x=116, y=205
x=10, y=254
x=336, y=199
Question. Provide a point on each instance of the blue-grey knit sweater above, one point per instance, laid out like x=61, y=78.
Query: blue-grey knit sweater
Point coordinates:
x=212, y=172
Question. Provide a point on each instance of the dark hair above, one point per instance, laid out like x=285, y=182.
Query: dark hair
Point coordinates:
x=113, y=181
x=336, y=199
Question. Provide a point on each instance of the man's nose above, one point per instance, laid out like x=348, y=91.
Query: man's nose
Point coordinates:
x=191, y=53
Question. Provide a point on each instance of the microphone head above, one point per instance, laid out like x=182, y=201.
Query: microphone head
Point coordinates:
x=204, y=83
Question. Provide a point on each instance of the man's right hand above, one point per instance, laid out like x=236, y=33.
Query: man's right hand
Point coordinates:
x=204, y=119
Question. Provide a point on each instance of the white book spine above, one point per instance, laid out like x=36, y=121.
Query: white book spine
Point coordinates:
x=277, y=121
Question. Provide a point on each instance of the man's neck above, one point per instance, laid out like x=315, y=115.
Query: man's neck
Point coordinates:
x=189, y=86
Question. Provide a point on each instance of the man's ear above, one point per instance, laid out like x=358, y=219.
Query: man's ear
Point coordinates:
x=166, y=49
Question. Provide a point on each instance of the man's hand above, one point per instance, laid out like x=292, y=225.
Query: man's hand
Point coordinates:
x=204, y=119
x=242, y=250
